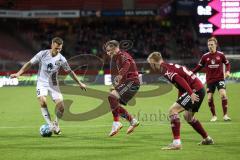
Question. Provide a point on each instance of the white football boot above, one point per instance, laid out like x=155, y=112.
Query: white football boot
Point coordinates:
x=56, y=129
x=213, y=119
x=115, y=128
x=226, y=118
x=133, y=124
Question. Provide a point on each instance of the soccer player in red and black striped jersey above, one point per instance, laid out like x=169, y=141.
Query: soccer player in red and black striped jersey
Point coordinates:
x=213, y=63
x=191, y=95
x=126, y=84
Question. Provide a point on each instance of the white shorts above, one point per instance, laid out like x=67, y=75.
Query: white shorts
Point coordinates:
x=54, y=91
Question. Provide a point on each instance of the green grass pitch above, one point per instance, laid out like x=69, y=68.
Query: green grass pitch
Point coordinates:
x=20, y=119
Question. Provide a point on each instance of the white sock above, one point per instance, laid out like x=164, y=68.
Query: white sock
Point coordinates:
x=177, y=141
x=46, y=115
x=116, y=123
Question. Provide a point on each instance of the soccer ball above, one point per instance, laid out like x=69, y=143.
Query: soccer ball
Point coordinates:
x=45, y=131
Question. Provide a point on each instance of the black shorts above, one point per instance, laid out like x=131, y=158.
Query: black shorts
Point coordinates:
x=185, y=101
x=127, y=91
x=211, y=87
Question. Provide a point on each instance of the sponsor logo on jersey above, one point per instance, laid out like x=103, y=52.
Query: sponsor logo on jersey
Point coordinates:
x=58, y=63
x=49, y=67
x=213, y=61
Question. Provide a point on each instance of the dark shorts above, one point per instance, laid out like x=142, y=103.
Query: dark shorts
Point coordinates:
x=211, y=87
x=185, y=101
x=127, y=91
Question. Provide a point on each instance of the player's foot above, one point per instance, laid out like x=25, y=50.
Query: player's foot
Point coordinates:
x=226, y=118
x=213, y=119
x=173, y=146
x=133, y=124
x=115, y=128
x=206, y=141
x=56, y=129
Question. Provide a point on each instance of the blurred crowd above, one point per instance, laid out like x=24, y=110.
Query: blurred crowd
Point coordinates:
x=88, y=35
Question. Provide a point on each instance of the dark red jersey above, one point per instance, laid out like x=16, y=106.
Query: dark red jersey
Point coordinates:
x=181, y=77
x=126, y=66
x=213, y=64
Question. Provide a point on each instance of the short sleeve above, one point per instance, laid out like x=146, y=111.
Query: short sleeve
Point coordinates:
x=224, y=59
x=36, y=58
x=65, y=65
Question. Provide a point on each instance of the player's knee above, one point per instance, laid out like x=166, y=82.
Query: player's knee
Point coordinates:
x=43, y=102
x=188, y=117
x=210, y=99
x=172, y=111
x=223, y=95
x=112, y=97
x=114, y=93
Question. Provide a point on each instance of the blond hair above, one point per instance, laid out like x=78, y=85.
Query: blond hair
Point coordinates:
x=156, y=56
x=213, y=39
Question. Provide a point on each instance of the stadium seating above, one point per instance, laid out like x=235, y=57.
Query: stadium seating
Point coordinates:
x=70, y=4
x=7, y=51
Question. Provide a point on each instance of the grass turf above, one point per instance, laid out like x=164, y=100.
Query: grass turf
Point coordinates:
x=20, y=119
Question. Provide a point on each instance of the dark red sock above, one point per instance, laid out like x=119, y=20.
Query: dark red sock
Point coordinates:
x=212, y=107
x=197, y=126
x=124, y=113
x=114, y=104
x=175, y=124
x=224, y=106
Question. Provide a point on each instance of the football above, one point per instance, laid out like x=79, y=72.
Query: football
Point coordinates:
x=45, y=131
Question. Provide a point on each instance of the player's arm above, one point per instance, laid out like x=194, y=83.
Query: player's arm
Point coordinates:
x=74, y=77
x=28, y=65
x=183, y=83
x=228, y=66
x=24, y=68
x=199, y=66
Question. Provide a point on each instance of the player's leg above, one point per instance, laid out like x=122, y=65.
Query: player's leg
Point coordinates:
x=113, y=99
x=212, y=107
x=126, y=92
x=121, y=95
x=174, y=111
x=59, y=110
x=197, y=126
x=210, y=91
x=42, y=93
x=44, y=109
x=224, y=99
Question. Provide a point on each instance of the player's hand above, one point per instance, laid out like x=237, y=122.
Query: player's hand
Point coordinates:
x=15, y=75
x=117, y=79
x=227, y=74
x=83, y=86
x=194, y=98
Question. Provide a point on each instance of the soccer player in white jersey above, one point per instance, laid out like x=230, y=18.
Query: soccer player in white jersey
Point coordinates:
x=50, y=61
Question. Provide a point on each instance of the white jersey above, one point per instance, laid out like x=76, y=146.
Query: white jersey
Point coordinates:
x=49, y=67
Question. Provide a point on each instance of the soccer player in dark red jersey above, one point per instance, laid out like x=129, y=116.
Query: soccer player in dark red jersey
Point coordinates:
x=126, y=84
x=191, y=95
x=213, y=63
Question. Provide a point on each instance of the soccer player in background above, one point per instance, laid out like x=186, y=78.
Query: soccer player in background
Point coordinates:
x=50, y=61
x=126, y=85
x=191, y=95
x=213, y=63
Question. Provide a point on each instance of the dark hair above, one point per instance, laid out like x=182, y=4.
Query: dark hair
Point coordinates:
x=57, y=40
x=112, y=43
